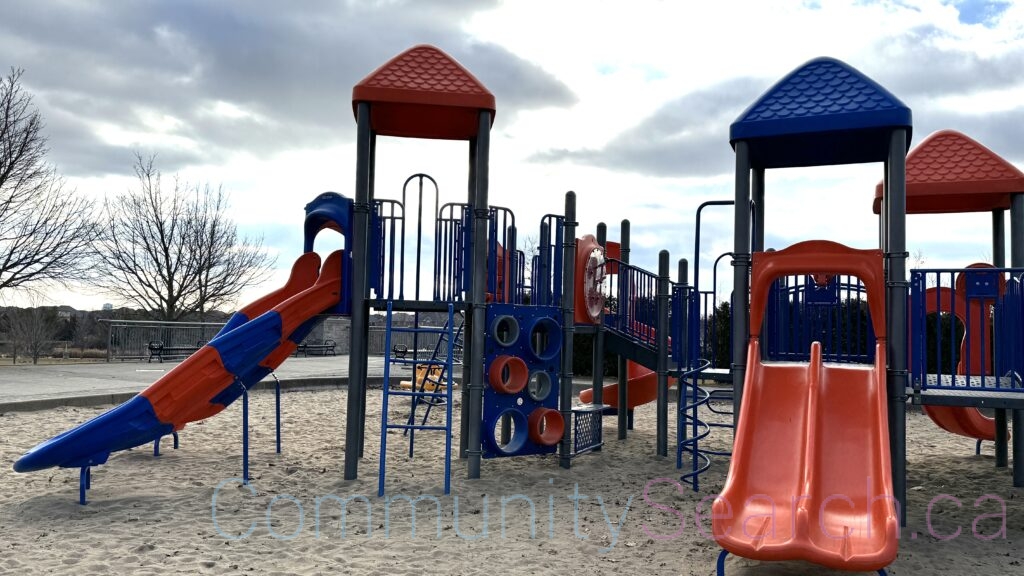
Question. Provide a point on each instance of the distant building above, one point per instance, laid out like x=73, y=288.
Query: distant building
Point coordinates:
x=108, y=307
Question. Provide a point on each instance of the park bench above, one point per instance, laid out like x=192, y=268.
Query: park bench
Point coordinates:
x=316, y=348
x=159, y=350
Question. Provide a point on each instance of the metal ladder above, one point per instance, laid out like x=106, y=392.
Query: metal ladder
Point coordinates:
x=418, y=393
x=431, y=381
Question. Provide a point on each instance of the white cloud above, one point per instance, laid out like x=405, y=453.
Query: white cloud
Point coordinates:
x=263, y=108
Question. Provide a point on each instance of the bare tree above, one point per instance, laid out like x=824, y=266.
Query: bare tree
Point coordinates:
x=174, y=253
x=32, y=331
x=46, y=231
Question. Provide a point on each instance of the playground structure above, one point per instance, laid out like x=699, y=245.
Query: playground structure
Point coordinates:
x=820, y=347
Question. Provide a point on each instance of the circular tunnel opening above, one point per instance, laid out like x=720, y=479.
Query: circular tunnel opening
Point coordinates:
x=505, y=330
x=545, y=338
x=508, y=374
x=546, y=426
x=539, y=386
x=516, y=435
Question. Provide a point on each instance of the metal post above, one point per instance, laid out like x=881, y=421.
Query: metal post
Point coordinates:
x=688, y=360
x=602, y=239
x=357, y=358
x=999, y=261
x=896, y=331
x=662, y=361
x=741, y=275
x=277, y=413
x=478, y=302
x=1016, y=261
x=757, y=190
x=467, y=327
x=245, y=434
x=366, y=325
x=568, y=328
x=623, y=413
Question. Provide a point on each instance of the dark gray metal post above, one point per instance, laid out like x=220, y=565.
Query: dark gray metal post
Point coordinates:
x=623, y=398
x=467, y=327
x=366, y=327
x=1017, y=260
x=757, y=191
x=602, y=239
x=896, y=330
x=478, y=300
x=568, y=327
x=358, y=350
x=662, y=361
x=999, y=261
x=740, y=276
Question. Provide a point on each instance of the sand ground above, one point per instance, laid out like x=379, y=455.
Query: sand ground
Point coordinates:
x=186, y=512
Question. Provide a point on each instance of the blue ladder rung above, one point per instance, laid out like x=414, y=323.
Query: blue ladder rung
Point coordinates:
x=416, y=427
x=410, y=361
x=412, y=394
x=420, y=330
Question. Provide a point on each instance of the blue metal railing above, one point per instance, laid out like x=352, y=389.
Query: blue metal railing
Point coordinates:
x=546, y=274
x=453, y=232
x=502, y=257
x=832, y=310
x=389, y=229
x=633, y=303
x=966, y=329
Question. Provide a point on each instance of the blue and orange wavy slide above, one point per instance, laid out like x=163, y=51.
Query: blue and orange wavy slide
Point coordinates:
x=255, y=341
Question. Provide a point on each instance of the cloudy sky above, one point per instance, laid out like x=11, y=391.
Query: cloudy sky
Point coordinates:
x=627, y=103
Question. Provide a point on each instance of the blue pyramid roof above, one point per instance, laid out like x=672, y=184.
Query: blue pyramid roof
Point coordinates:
x=824, y=112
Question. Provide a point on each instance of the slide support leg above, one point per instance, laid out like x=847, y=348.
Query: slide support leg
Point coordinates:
x=84, y=483
x=245, y=436
x=277, y=413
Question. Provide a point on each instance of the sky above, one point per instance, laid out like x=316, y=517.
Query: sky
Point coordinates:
x=627, y=103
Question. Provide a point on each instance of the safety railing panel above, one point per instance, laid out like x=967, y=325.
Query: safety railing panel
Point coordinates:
x=632, y=303
x=388, y=232
x=966, y=329
x=453, y=232
x=679, y=307
x=503, y=258
x=546, y=277
x=831, y=309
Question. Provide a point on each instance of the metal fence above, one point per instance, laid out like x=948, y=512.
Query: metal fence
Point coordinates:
x=423, y=344
x=129, y=339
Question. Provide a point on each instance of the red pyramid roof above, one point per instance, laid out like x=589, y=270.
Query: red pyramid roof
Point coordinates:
x=949, y=172
x=424, y=93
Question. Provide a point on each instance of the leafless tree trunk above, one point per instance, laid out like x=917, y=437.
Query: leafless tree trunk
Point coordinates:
x=46, y=231
x=174, y=253
x=32, y=330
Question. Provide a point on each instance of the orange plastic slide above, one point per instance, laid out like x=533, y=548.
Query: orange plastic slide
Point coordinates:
x=810, y=475
x=641, y=383
x=969, y=422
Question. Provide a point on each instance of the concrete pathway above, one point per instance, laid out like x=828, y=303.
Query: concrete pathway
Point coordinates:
x=38, y=387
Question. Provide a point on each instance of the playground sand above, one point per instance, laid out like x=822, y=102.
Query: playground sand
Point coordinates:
x=187, y=513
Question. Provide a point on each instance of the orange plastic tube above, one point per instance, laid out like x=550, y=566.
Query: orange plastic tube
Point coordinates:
x=546, y=426
x=510, y=381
